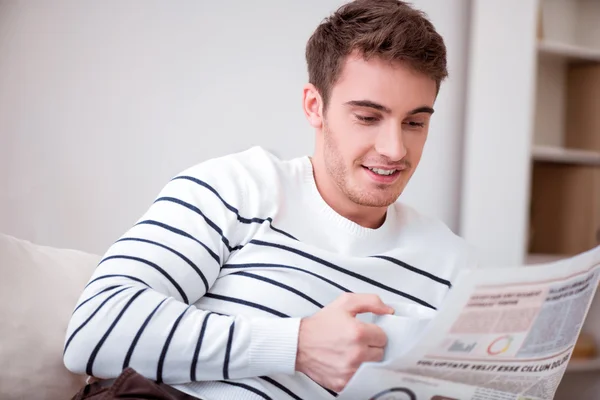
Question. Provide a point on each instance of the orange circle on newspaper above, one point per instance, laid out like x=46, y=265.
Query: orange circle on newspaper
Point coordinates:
x=499, y=345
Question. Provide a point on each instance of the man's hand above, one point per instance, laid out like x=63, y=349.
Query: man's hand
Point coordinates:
x=333, y=343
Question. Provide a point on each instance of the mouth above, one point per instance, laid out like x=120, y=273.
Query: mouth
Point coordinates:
x=383, y=175
x=383, y=172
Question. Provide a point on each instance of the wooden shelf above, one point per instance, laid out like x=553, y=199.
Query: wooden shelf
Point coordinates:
x=568, y=51
x=576, y=365
x=565, y=156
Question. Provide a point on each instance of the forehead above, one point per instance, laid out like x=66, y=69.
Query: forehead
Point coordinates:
x=394, y=85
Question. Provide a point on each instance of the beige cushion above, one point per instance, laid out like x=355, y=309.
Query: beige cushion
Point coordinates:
x=39, y=287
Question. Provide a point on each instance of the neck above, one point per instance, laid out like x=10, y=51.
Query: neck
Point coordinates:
x=365, y=216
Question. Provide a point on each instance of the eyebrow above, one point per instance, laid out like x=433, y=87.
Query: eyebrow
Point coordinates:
x=369, y=104
x=423, y=109
x=382, y=108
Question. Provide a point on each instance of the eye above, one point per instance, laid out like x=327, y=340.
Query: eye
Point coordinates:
x=366, y=119
x=415, y=124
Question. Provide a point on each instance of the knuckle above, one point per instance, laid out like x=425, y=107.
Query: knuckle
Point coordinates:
x=355, y=356
x=375, y=299
x=379, y=334
x=384, y=340
x=358, y=333
x=346, y=298
x=339, y=385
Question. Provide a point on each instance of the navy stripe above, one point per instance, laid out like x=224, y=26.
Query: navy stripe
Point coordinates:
x=279, y=284
x=233, y=209
x=184, y=258
x=262, y=265
x=228, y=351
x=343, y=270
x=207, y=186
x=206, y=219
x=156, y=267
x=133, y=278
x=249, y=388
x=163, y=353
x=279, y=230
x=281, y=387
x=198, y=346
x=184, y=234
x=415, y=270
x=246, y=303
x=139, y=334
x=90, y=363
x=91, y=316
x=94, y=296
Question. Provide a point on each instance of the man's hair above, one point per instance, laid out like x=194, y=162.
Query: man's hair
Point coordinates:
x=388, y=29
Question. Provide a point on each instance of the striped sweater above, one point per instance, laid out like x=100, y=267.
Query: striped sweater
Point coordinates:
x=206, y=291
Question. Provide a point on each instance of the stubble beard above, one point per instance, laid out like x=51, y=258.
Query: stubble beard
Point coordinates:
x=379, y=196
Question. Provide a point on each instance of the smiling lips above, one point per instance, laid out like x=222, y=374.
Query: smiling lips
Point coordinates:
x=381, y=171
x=384, y=175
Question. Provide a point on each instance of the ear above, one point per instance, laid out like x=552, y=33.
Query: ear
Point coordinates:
x=312, y=104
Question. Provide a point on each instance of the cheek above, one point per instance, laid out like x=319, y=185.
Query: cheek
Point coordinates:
x=360, y=147
x=352, y=141
x=415, y=142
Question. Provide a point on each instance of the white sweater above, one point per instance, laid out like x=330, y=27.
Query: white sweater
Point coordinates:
x=206, y=291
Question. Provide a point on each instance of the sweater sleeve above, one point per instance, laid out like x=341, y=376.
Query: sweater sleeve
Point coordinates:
x=138, y=311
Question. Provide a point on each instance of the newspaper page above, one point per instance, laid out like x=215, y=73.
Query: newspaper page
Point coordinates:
x=505, y=333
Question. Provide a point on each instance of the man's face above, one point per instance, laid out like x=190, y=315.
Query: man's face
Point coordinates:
x=374, y=129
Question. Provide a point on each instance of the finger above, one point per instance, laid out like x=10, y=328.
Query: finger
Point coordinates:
x=357, y=303
x=374, y=336
x=374, y=354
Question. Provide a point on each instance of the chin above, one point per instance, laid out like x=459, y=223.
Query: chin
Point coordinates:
x=383, y=202
x=364, y=198
x=382, y=196
x=369, y=194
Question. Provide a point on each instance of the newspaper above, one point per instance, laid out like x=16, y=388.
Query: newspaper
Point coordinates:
x=505, y=333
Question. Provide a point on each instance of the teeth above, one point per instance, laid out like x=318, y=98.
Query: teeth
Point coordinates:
x=379, y=171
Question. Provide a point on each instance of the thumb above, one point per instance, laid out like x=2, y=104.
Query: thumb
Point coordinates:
x=363, y=303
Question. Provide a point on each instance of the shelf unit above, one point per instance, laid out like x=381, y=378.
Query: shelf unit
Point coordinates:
x=563, y=155
x=564, y=180
x=537, y=258
x=531, y=117
x=564, y=190
x=583, y=365
x=566, y=51
x=530, y=189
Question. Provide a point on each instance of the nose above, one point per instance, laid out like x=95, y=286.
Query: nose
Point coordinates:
x=390, y=143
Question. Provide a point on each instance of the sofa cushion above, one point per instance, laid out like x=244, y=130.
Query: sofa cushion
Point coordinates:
x=39, y=287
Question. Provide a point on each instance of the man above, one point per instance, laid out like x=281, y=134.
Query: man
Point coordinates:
x=244, y=278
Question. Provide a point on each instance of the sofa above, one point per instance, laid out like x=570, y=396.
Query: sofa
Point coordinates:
x=39, y=288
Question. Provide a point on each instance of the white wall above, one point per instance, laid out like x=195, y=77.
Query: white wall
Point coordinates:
x=500, y=110
x=102, y=102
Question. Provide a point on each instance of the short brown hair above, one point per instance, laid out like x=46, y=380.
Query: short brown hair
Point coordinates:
x=388, y=29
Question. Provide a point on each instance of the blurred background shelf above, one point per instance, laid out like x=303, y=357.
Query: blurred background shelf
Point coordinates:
x=576, y=365
x=568, y=51
x=534, y=96
x=565, y=155
x=538, y=258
